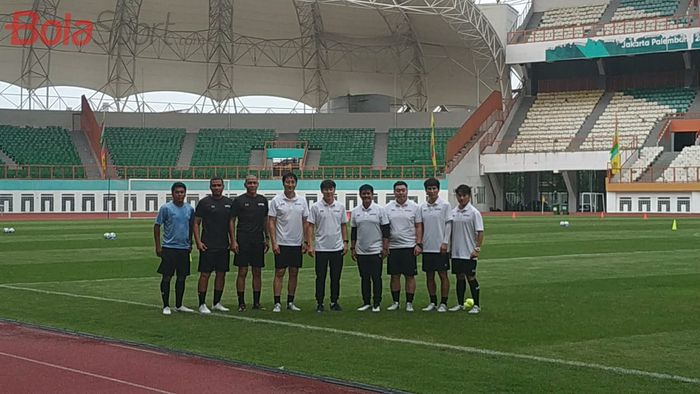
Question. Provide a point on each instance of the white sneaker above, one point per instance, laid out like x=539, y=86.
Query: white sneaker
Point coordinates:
x=166, y=310
x=457, y=308
x=220, y=308
x=442, y=308
x=475, y=310
x=277, y=308
x=183, y=308
x=204, y=310
x=376, y=308
x=409, y=307
x=393, y=306
x=431, y=307
x=364, y=307
x=292, y=307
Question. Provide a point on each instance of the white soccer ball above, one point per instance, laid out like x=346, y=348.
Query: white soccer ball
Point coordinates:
x=564, y=223
x=6, y=230
x=113, y=235
x=106, y=235
x=12, y=230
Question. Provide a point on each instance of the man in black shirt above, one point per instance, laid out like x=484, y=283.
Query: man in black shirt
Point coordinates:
x=251, y=241
x=213, y=216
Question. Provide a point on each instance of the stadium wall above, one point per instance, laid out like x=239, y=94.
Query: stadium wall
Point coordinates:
x=282, y=123
x=653, y=202
x=121, y=196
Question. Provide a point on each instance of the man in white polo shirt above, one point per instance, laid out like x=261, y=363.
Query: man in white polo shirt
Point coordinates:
x=436, y=214
x=287, y=213
x=370, y=244
x=467, y=237
x=327, y=236
x=405, y=244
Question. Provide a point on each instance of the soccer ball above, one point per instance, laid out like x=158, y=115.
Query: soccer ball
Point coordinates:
x=8, y=230
x=110, y=236
x=564, y=223
x=106, y=235
x=468, y=303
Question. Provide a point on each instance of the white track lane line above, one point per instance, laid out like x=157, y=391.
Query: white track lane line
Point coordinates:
x=86, y=373
x=463, y=349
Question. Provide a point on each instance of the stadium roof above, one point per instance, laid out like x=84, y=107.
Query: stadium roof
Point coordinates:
x=423, y=52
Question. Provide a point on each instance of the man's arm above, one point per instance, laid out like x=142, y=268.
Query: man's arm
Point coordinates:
x=353, y=237
x=156, y=238
x=232, y=234
x=305, y=244
x=344, y=235
x=308, y=236
x=446, y=239
x=197, y=237
x=266, y=233
x=386, y=235
x=271, y=225
x=419, y=239
x=479, y=241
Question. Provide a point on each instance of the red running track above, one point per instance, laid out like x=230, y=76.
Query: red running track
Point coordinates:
x=35, y=360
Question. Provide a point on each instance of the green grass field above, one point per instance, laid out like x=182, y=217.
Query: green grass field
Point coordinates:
x=601, y=306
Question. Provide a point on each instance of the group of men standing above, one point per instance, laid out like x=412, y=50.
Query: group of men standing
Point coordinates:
x=249, y=227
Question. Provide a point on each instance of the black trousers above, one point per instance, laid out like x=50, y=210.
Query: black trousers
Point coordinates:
x=334, y=260
x=370, y=267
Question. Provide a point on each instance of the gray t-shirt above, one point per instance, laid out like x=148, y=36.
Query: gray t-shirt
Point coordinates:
x=465, y=224
x=435, y=218
x=290, y=214
x=329, y=223
x=403, y=219
x=369, y=233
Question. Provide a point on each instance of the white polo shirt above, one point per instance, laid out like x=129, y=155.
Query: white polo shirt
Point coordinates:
x=369, y=233
x=465, y=224
x=290, y=214
x=435, y=217
x=329, y=223
x=403, y=219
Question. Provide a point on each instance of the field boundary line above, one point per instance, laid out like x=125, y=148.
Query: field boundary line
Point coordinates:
x=462, y=349
x=86, y=373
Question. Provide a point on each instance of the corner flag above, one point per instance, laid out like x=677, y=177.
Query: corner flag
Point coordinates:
x=433, y=156
x=615, y=151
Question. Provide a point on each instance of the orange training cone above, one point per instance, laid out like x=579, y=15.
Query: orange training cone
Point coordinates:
x=513, y=215
x=646, y=216
x=602, y=215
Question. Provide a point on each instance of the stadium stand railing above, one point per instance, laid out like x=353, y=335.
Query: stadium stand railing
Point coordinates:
x=631, y=26
x=341, y=146
x=684, y=168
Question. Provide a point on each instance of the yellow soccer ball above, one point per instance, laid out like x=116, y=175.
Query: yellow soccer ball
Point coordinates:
x=468, y=303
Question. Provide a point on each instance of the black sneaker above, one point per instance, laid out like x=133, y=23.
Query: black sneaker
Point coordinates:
x=258, y=307
x=241, y=308
x=336, y=307
x=319, y=308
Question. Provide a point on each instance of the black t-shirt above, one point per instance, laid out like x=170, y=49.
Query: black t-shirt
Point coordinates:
x=251, y=213
x=215, y=216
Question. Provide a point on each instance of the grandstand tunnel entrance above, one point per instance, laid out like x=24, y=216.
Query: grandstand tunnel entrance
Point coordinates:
x=547, y=190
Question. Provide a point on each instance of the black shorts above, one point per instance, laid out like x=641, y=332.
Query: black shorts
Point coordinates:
x=250, y=254
x=174, y=261
x=401, y=261
x=214, y=260
x=436, y=262
x=464, y=266
x=290, y=256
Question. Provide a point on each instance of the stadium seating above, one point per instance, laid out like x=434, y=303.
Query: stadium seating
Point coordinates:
x=553, y=120
x=685, y=167
x=412, y=146
x=44, y=147
x=130, y=146
x=572, y=16
x=635, y=112
x=637, y=9
x=646, y=157
x=228, y=147
x=341, y=147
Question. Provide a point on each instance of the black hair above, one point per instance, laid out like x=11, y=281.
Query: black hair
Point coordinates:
x=431, y=182
x=288, y=175
x=327, y=184
x=216, y=178
x=400, y=183
x=463, y=190
x=177, y=185
x=366, y=187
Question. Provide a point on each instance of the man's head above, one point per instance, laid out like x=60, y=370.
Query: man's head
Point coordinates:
x=251, y=184
x=289, y=180
x=178, y=191
x=401, y=192
x=463, y=194
x=432, y=189
x=366, y=194
x=216, y=185
x=328, y=190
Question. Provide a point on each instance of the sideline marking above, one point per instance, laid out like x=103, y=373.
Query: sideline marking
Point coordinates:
x=463, y=349
x=81, y=372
